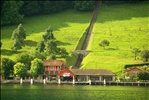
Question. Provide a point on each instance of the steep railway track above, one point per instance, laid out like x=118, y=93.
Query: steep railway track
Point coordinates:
x=89, y=32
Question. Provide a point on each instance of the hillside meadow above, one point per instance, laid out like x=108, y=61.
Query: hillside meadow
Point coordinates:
x=125, y=26
x=68, y=28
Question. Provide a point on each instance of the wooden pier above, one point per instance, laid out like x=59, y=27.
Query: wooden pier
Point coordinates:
x=110, y=83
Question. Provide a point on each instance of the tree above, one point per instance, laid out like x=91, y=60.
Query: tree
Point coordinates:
x=48, y=7
x=16, y=46
x=62, y=52
x=30, y=8
x=18, y=36
x=145, y=55
x=136, y=51
x=20, y=70
x=25, y=58
x=104, y=43
x=48, y=34
x=51, y=47
x=84, y=5
x=147, y=69
x=143, y=75
x=51, y=57
x=10, y=12
x=37, y=54
x=37, y=67
x=1, y=44
x=6, y=66
x=40, y=46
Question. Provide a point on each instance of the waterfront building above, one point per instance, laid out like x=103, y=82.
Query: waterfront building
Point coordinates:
x=53, y=68
x=132, y=72
x=58, y=71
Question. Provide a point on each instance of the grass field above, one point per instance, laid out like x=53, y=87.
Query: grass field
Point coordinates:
x=68, y=28
x=125, y=26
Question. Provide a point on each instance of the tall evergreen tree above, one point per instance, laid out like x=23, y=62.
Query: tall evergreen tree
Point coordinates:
x=48, y=34
x=51, y=47
x=40, y=46
x=16, y=46
x=18, y=36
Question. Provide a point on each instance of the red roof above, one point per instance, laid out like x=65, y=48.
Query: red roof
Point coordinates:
x=66, y=73
x=134, y=68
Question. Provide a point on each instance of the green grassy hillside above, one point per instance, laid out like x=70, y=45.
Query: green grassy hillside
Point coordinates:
x=126, y=27
x=68, y=27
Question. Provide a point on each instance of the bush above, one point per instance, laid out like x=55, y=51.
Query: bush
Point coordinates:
x=143, y=76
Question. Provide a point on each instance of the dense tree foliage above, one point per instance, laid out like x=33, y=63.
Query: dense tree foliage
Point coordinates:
x=10, y=12
x=20, y=69
x=143, y=75
x=26, y=59
x=6, y=67
x=1, y=44
x=36, y=54
x=13, y=12
x=51, y=57
x=16, y=46
x=51, y=47
x=62, y=52
x=145, y=55
x=40, y=46
x=48, y=44
x=110, y=2
x=84, y=5
x=48, y=35
x=18, y=36
x=37, y=67
x=30, y=8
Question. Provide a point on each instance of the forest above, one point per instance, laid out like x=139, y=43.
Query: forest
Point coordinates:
x=14, y=11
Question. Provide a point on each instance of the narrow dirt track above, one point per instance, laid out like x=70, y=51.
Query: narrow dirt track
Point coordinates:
x=89, y=32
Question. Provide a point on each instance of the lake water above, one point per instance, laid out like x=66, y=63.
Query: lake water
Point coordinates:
x=70, y=92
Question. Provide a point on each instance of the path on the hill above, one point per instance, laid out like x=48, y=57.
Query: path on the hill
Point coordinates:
x=89, y=32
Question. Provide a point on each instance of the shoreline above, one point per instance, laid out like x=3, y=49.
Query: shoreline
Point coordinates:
x=99, y=83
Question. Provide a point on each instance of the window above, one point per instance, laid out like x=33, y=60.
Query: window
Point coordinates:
x=58, y=68
x=94, y=78
x=135, y=71
x=107, y=78
x=51, y=67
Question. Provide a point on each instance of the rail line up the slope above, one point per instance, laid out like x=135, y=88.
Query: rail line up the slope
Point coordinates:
x=89, y=32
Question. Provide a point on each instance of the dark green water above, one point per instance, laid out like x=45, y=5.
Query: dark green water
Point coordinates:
x=69, y=92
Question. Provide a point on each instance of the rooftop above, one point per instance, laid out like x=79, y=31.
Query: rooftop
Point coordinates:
x=91, y=72
x=54, y=63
